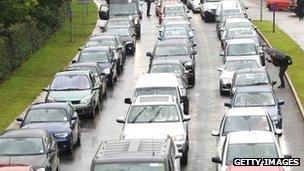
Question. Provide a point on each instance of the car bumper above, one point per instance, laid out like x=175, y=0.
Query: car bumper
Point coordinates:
x=63, y=144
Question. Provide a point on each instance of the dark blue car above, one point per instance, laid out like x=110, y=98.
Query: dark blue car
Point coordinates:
x=259, y=96
x=57, y=118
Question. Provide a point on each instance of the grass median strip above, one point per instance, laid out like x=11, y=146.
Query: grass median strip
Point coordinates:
x=25, y=84
x=284, y=43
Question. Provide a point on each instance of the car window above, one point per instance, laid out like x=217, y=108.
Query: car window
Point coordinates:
x=121, y=31
x=21, y=146
x=70, y=82
x=90, y=68
x=165, y=69
x=123, y=9
x=46, y=115
x=101, y=42
x=248, y=79
x=169, y=50
x=232, y=65
x=93, y=56
x=241, y=49
x=251, y=99
x=153, y=113
x=156, y=91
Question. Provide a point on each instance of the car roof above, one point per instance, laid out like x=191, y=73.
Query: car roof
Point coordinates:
x=252, y=70
x=156, y=80
x=240, y=41
x=245, y=111
x=238, y=59
x=168, y=61
x=96, y=48
x=24, y=133
x=132, y=150
x=73, y=72
x=242, y=137
x=93, y=64
x=154, y=100
x=173, y=41
x=237, y=20
x=260, y=88
x=100, y=37
x=49, y=105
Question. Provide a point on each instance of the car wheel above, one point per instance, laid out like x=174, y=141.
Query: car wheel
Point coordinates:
x=79, y=138
x=184, y=159
x=192, y=81
x=70, y=149
x=57, y=169
x=118, y=69
x=93, y=113
x=221, y=90
x=186, y=107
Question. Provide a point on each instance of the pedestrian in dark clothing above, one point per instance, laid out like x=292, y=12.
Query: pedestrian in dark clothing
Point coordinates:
x=148, y=7
x=281, y=60
x=300, y=7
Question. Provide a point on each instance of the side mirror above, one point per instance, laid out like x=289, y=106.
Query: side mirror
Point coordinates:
x=246, y=8
x=96, y=87
x=189, y=17
x=227, y=104
x=287, y=156
x=128, y=101
x=194, y=52
x=45, y=89
x=219, y=69
x=216, y=160
x=178, y=155
x=194, y=44
x=281, y=102
x=80, y=48
x=264, y=44
x=192, y=29
x=273, y=82
x=74, y=61
x=279, y=132
x=188, y=11
x=74, y=118
x=50, y=151
x=149, y=54
x=114, y=60
x=215, y=133
x=186, y=118
x=19, y=119
x=158, y=38
x=120, y=120
x=229, y=85
x=102, y=73
x=222, y=54
x=119, y=47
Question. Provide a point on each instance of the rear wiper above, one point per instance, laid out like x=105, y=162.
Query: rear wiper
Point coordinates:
x=136, y=117
x=156, y=114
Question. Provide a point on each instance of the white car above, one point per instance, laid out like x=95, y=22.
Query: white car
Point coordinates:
x=208, y=9
x=232, y=4
x=228, y=69
x=242, y=48
x=194, y=5
x=156, y=117
x=247, y=144
x=232, y=23
x=244, y=119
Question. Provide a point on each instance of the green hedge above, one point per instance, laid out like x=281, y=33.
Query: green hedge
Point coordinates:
x=21, y=40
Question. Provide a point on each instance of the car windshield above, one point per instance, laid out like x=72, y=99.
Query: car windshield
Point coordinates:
x=130, y=167
x=156, y=91
x=248, y=79
x=118, y=23
x=21, y=146
x=165, y=69
x=231, y=25
x=70, y=82
x=123, y=9
x=251, y=99
x=45, y=115
x=245, y=123
x=171, y=50
x=174, y=9
x=175, y=33
x=238, y=33
x=153, y=113
x=243, y=49
x=93, y=56
x=232, y=65
x=101, y=42
x=120, y=31
x=90, y=68
x=252, y=150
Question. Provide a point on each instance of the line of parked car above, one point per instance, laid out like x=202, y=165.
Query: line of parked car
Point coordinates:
x=252, y=124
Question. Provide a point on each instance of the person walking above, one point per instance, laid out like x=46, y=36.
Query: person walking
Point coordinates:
x=280, y=60
x=148, y=7
x=300, y=7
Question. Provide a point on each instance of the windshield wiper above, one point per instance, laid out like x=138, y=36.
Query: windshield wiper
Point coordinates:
x=156, y=114
x=136, y=117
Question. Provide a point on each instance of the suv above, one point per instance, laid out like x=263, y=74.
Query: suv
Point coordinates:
x=136, y=154
x=78, y=87
x=160, y=84
x=156, y=117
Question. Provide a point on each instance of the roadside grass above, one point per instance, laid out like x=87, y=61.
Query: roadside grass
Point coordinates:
x=26, y=82
x=284, y=43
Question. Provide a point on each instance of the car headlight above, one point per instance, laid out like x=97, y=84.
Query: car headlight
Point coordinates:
x=50, y=99
x=86, y=100
x=107, y=71
x=178, y=137
x=41, y=169
x=61, y=135
x=189, y=63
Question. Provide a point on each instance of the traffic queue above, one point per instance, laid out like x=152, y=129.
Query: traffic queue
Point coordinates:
x=155, y=127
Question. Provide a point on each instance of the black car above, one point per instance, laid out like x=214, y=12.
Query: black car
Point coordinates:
x=57, y=118
x=176, y=33
x=99, y=75
x=29, y=146
x=113, y=43
x=119, y=39
x=125, y=22
x=127, y=36
x=105, y=58
x=179, y=49
x=258, y=96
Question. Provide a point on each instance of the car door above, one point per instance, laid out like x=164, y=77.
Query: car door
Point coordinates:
x=95, y=92
x=52, y=151
x=74, y=125
x=113, y=63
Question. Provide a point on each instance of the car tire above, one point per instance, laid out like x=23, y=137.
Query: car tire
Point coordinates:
x=184, y=159
x=186, y=107
x=118, y=69
x=93, y=113
x=79, y=138
x=222, y=92
x=192, y=81
x=70, y=149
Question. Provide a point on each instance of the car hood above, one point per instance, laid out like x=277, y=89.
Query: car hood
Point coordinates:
x=37, y=161
x=210, y=5
x=227, y=75
x=152, y=130
x=182, y=59
x=69, y=95
x=51, y=127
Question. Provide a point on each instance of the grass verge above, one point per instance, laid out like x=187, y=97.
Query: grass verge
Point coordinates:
x=24, y=84
x=283, y=42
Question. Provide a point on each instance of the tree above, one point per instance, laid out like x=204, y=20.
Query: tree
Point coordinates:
x=14, y=11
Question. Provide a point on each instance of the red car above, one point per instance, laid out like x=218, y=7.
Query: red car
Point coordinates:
x=282, y=4
x=16, y=168
x=254, y=168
